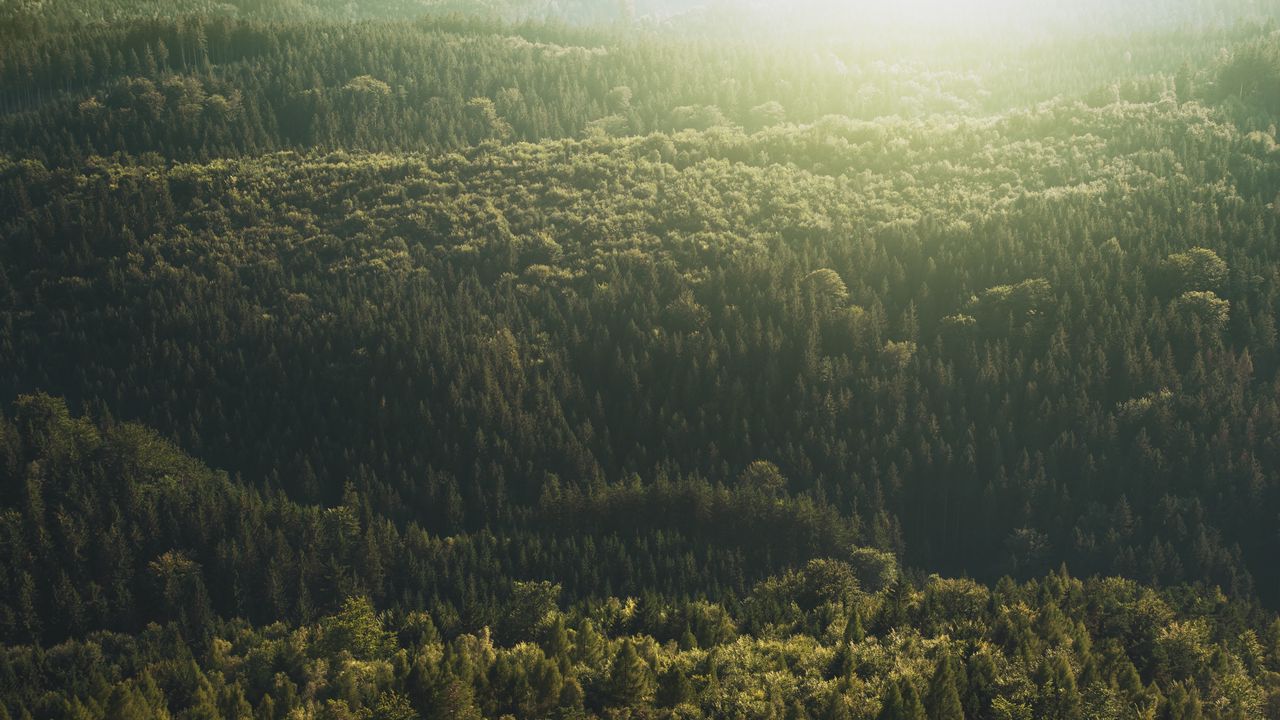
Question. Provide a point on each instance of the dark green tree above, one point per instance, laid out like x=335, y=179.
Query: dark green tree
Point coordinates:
x=631, y=682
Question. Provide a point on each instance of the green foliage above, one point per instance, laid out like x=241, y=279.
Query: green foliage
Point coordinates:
x=1057, y=695
x=943, y=697
x=356, y=629
x=764, y=476
x=827, y=286
x=1251, y=74
x=491, y=324
x=1204, y=309
x=351, y=662
x=1010, y=307
x=1198, y=269
x=631, y=681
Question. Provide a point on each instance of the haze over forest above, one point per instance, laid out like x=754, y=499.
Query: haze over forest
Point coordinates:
x=575, y=359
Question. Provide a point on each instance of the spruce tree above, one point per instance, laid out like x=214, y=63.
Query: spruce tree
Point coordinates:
x=901, y=701
x=631, y=682
x=891, y=703
x=944, y=698
x=675, y=688
x=1059, y=699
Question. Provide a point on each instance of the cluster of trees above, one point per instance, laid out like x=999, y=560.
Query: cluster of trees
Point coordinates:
x=139, y=533
x=169, y=555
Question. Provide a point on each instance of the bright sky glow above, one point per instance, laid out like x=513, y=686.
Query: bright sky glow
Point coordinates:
x=1003, y=21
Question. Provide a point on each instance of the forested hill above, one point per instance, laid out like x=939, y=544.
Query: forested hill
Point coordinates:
x=154, y=553
x=201, y=87
x=994, y=348
x=558, y=362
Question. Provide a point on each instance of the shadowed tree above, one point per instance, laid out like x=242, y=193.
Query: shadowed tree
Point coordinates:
x=631, y=682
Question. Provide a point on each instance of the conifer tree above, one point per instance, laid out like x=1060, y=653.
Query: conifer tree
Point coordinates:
x=943, y=699
x=901, y=701
x=631, y=682
x=1058, y=698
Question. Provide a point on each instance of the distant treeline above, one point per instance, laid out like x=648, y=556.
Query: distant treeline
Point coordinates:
x=203, y=87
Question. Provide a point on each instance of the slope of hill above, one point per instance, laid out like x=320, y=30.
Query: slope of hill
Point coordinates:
x=151, y=536
x=493, y=324
x=601, y=367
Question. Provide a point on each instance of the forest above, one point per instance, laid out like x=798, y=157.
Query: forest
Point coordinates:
x=446, y=359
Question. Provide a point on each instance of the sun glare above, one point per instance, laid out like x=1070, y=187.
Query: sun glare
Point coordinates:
x=926, y=21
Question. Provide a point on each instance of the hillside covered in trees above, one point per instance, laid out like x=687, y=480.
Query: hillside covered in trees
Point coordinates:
x=458, y=360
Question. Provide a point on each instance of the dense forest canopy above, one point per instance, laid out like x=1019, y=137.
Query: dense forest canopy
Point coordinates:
x=441, y=359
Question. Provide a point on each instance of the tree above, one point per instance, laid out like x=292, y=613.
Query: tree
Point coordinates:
x=767, y=114
x=1011, y=307
x=631, y=682
x=1183, y=703
x=827, y=286
x=1204, y=309
x=356, y=629
x=128, y=701
x=877, y=570
x=530, y=605
x=436, y=693
x=901, y=701
x=1252, y=73
x=1182, y=83
x=943, y=700
x=1196, y=269
x=675, y=688
x=891, y=706
x=912, y=703
x=982, y=683
x=853, y=632
x=367, y=87
x=1057, y=698
x=837, y=708
x=183, y=591
x=619, y=99
x=485, y=122
x=764, y=476
x=895, y=609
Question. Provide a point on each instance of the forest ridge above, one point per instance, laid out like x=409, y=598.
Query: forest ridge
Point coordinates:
x=631, y=360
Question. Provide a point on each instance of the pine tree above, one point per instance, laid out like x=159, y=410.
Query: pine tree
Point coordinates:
x=837, y=708
x=944, y=698
x=1183, y=704
x=894, y=611
x=981, y=686
x=853, y=632
x=843, y=662
x=912, y=704
x=128, y=701
x=1058, y=698
x=688, y=641
x=557, y=643
x=631, y=682
x=675, y=688
x=901, y=701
